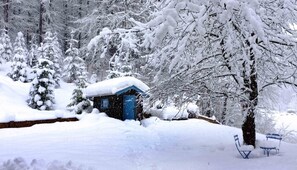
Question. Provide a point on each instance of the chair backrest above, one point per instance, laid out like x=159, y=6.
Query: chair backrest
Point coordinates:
x=237, y=143
x=274, y=136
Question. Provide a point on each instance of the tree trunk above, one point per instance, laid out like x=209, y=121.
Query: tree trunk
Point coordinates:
x=80, y=17
x=28, y=36
x=66, y=35
x=251, y=85
x=41, y=20
x=5, y=12
x=224, y=112
x=248, y=128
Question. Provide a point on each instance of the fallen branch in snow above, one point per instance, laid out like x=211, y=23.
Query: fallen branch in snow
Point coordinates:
x=210, y=120
x=28, y=123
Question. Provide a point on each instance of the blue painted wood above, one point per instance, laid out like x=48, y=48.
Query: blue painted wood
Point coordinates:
x=131, y=88
x=129, y=107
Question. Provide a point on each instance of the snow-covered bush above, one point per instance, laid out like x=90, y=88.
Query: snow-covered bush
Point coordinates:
x=42, y=89
x=79, y=102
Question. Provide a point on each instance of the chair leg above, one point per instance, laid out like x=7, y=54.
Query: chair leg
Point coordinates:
x=246, y=154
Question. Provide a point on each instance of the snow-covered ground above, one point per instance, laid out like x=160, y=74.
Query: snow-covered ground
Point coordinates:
x=104, y=143
x=99, y=142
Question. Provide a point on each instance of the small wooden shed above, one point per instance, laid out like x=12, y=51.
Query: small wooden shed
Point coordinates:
x=120, y=98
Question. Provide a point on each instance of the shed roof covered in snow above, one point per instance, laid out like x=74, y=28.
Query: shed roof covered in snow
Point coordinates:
x=115, y=86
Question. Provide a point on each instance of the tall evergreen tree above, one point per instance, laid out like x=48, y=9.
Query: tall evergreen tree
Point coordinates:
x=53, y=54
x=74, y=68
x=19, y=63
x=6, y=54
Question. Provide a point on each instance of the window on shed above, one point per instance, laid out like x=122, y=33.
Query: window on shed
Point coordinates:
x=104, y=103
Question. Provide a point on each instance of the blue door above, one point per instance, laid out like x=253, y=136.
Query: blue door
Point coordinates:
x=129, y=107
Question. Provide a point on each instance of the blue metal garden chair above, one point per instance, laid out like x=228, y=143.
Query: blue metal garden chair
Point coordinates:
x=244, y=150
x=276, y=137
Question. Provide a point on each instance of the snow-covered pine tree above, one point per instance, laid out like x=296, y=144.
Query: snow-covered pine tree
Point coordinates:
x=78, y=101
x=32, y=61
x=53, y=54
x=42, y=89
x=74, y=68
x=19, y=65
x=58, y=58
x=6, y=54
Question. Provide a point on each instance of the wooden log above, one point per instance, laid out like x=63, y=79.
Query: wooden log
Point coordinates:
x=208, y=119
x=28, y=123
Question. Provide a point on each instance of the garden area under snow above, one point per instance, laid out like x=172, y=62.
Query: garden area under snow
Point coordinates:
x=99, y=142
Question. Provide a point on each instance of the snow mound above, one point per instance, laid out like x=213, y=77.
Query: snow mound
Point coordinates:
x=20, y=164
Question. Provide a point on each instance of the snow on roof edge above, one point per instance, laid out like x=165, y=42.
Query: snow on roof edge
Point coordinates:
x=112, y=86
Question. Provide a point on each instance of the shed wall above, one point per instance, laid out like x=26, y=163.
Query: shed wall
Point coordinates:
x=115, y=108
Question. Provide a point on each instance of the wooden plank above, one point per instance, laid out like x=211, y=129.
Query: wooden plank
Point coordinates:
x=28, y=123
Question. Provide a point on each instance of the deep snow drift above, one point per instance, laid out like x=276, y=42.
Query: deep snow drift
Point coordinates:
x=99, y=142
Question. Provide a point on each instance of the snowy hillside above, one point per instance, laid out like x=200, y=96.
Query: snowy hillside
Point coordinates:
x=13, y=97
x=99, y=142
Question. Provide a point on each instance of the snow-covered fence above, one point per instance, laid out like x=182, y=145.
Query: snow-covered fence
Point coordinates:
x=28, y=123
